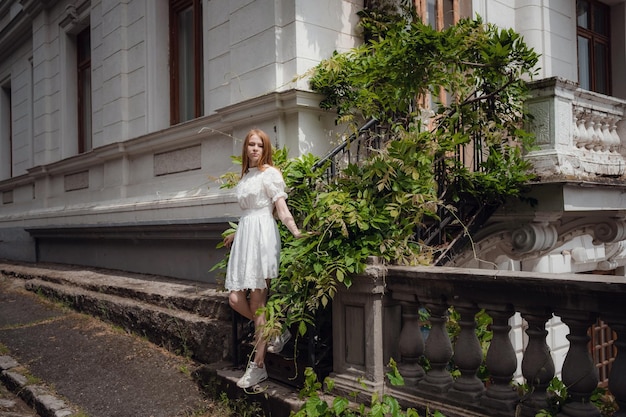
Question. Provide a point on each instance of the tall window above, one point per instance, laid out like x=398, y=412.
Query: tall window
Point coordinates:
x=83, y=71
x=186, y=60
x=593, y=46
x=439, y=14
x=6, y=133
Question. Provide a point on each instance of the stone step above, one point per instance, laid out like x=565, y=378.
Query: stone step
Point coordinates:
x=192, y=296
x=186, y=317
x=204, y=339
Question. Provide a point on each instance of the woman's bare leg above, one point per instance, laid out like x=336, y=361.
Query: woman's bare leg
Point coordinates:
x=258, y=298
x=238, y=300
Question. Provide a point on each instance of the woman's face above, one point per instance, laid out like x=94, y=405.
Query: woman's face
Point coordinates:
x=254, y=150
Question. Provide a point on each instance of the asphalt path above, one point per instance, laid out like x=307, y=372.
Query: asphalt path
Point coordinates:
x=100, y=369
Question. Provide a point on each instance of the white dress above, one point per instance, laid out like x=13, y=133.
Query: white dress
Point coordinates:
x=255, y=252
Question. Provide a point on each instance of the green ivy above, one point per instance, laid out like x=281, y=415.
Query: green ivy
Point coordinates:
x=557, y=397
x=317, y=404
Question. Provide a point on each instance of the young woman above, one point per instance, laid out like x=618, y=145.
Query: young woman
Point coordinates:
x=255, y=254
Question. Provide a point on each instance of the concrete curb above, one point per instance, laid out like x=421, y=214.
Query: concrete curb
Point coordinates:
x=39, y=397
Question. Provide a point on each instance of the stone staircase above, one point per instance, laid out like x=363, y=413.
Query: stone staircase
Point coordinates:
x=188, y=318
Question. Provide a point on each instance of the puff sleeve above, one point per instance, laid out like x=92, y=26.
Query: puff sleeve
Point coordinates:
x=274, y=184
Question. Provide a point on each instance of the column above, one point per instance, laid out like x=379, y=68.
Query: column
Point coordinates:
x=501, y=362
x=580, y=375
x=468, y=356
x=537, y=365
x=411, y=345
x=438, y=351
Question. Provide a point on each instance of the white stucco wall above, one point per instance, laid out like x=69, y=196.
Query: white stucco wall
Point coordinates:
x=257, y=47
x=547, y=27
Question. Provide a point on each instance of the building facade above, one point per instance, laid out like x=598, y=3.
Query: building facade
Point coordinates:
x=116, y=117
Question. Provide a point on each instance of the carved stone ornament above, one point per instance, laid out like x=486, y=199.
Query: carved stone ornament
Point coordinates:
x=609, y=231
x=534, y=237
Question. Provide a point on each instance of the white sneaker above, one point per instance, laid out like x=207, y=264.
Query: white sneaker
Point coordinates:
x=252, y=376
x=277, y=344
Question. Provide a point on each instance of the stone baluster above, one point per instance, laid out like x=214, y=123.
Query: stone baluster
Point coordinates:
x=615, y=141
x=579, y=374
x=411, y=345
x=537, y=365
x=438, y=351
x=617, y=378
x=501, y=363
x=468, y=356
x=585, y=132
x=575, y=129
x=596, y=120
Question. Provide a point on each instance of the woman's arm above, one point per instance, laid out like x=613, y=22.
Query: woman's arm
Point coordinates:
x=228, y=240
x=285, y=216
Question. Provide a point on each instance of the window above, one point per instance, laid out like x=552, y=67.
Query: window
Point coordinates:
x=603, y=350
x=186, y=86
x=439, y=14
x=593, y=46
x=83, y=72
x=6, y=132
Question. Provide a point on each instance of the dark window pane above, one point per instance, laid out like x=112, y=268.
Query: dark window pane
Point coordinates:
x=448, y=13
x=582, y=11
x=186, y=74
x=83, y=72
x=601, y=70
x=432, y=13
x=85, y=79
x=600, y=20
x=584, y=56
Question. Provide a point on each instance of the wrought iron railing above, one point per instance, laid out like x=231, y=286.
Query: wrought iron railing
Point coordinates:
x=457, y=219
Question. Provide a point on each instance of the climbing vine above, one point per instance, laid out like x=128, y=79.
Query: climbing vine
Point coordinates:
x=474, y=74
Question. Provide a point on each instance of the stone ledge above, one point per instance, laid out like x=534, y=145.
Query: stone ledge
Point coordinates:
x=41, y=398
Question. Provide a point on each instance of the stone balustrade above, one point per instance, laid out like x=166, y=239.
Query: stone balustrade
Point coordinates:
x=377, y=319
x=579, y=133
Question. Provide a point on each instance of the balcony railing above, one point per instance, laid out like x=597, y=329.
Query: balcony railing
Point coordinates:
x=382, y=309
x=579, y=133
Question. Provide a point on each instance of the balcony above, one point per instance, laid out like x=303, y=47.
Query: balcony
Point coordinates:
x=579, y=133
x=382, y=310
x=579, y=196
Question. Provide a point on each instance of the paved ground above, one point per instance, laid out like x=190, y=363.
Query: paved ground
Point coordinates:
x=91, y=366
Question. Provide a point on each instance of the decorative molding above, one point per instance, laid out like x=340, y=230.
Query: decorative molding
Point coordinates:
x=179, y=160
x=7, y=197
x=534, y=237
x=609, y=231
x=76, y=16
x=538, y=238
x=76, y=181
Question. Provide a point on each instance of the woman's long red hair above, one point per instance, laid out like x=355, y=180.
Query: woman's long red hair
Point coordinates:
x=266, y=156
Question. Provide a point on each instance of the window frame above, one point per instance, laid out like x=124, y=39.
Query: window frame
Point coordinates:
x=6, y=133
x=83, y=96
x=595, y=38
x=175, y=8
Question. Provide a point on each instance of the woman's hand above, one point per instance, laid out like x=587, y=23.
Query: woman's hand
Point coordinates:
x=228, y=240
